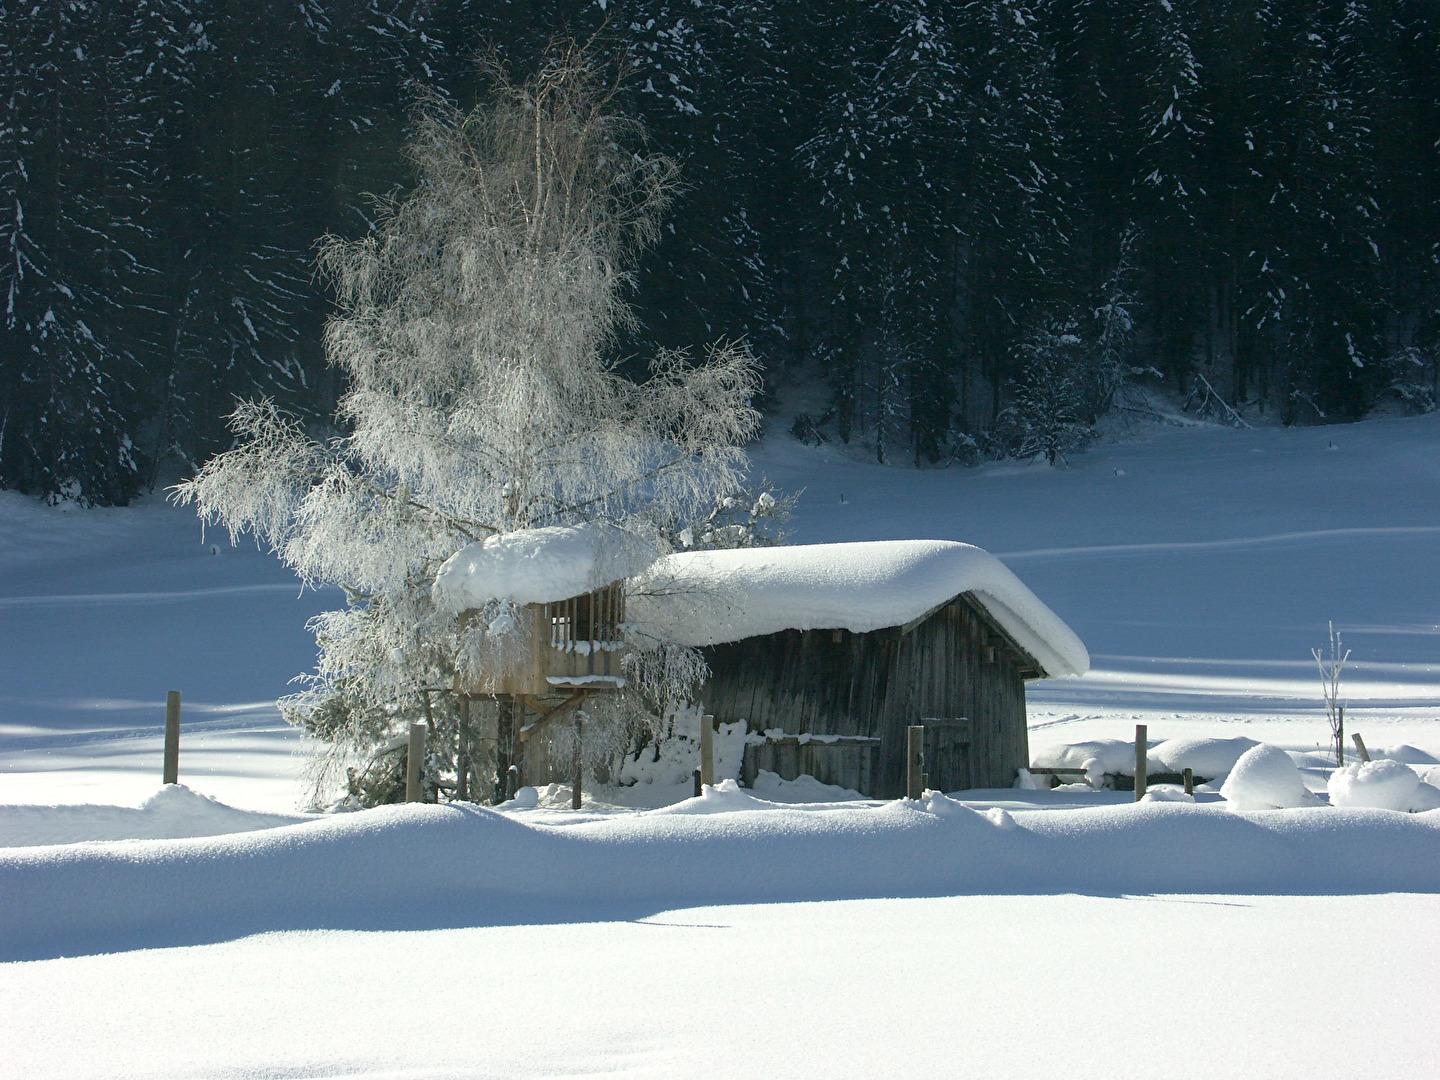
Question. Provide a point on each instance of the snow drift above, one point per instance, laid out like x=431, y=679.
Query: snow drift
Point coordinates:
x=174, y=811
x=421, y=866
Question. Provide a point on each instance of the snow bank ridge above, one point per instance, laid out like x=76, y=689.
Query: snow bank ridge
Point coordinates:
x=479, y=867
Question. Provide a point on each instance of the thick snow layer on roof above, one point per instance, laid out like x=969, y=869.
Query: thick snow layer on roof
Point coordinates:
x=539, y=566
x=709, y=597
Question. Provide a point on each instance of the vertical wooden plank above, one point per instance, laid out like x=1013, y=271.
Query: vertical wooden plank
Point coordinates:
x=1360, y=746
x=170, y=772
x=462, y=748
x=1142, y=747
x=577, y=763
x=707, y=749
x=414, y=756
x=504, y=743
x=914, y=740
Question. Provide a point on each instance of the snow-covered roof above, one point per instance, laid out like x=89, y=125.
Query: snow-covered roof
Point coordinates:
x=539, y=566
x=709, y=597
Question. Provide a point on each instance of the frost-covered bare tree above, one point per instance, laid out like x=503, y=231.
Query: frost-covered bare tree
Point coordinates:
x=474, y=329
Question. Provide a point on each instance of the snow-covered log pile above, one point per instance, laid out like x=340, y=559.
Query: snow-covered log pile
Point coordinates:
x=1207, y=759
x=710, y=597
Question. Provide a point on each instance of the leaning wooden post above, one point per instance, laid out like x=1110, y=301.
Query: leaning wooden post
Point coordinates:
x=1360, y=746
x=577, y=766
x=462, y=747
x=1142, y=747
x=914, y=759
x=171, y=771
x=504, y=743
x=414, y=753
x=707, y=749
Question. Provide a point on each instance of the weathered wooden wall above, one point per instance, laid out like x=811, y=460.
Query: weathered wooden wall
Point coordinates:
x=956, y=667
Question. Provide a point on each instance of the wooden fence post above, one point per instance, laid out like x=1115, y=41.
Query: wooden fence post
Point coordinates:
x=914, y=761
x=1142, y=748
x=577, y=764
x=699, y=788
x=1189, y=781
x=707, y=749
x=504, y=743
x=414, y=755
x=1360, y=746
x=462, y=746
x=171, y=770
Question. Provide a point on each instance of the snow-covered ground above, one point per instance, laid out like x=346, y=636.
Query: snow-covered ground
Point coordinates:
x=984, y=987
x=987, y=938
x=1199, y=565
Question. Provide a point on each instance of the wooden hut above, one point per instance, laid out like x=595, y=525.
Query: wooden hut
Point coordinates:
x=828, y=652
x=563, y=589
x=555, y=600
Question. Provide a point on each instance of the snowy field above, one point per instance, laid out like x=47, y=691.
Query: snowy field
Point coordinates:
x=1200, y=567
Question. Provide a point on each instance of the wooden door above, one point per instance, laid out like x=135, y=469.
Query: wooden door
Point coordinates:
x=947, y=752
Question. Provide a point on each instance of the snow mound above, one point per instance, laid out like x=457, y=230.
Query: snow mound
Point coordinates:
x=710, y=597
x=1382, y=784
x=526, y=798
x=172, y=812
x=539, y=566
x=1410, y=755
x=803, y=789
x=1265, y=778
x=1210, y=758
x=1426, y=797
x=725, y=797
x=1166, y=793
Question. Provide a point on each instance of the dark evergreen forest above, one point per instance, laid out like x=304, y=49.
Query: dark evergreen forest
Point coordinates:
x=973, y=223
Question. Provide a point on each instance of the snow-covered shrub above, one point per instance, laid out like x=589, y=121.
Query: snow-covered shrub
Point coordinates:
x=1049, y=402
x=1265, y=778
x=1383, y=785
x=672, y=754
